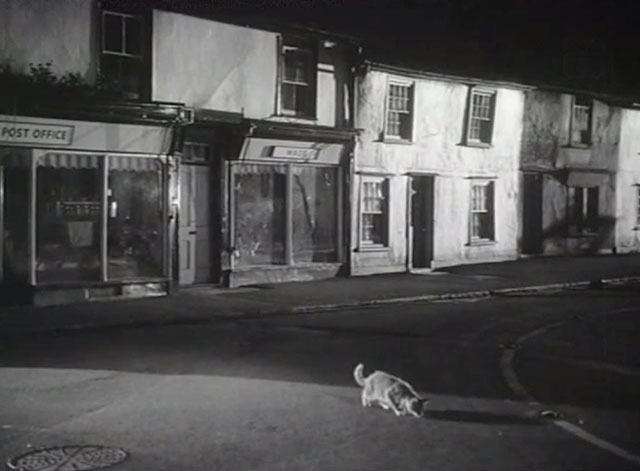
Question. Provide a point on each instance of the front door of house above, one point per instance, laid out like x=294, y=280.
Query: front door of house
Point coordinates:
x=187, y=225
x=195, y=224
x=422, y=197
x=532, y=214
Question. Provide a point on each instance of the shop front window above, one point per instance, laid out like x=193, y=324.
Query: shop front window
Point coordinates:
x=259, y=192
x=15, y=225
x=314, y=195
x=134, y=218
x=69, y=211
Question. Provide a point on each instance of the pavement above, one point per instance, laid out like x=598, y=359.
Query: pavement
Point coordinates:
x=204, y=304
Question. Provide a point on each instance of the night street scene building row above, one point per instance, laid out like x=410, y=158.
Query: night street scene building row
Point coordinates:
x=143, y=149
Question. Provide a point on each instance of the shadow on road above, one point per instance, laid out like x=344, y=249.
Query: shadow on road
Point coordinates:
x=490, y=418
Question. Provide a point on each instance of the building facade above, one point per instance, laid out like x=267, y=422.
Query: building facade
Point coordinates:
x=242, y=181
x=265, y=163
x=436, y=175
x=86, y=182
x=627, y=229
x=570, y=149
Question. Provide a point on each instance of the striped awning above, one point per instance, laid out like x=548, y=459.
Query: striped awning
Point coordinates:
x=135, y=164
x=131, y=163
x=69, y=160
x=258, y=169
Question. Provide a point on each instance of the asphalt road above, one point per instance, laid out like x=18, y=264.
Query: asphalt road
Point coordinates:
x=278, y=393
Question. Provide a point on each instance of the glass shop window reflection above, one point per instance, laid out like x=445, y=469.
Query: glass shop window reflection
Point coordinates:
x=68, y=205
x=134, y=219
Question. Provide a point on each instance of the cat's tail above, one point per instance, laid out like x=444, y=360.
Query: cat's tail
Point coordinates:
x=358, y=375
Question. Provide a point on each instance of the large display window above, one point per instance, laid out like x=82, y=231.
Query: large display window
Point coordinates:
x=285, y=214
x=82, y=217
x=134, y=227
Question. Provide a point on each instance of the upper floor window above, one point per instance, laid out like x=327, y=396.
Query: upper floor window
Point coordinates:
x=581, y=121
x=122, y=58
x=482, y=211
x=298, y=80
x=399, y=118
x=481, y=115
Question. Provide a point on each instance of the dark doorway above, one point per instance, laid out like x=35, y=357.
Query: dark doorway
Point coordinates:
x=422, y=220
x=532, y=214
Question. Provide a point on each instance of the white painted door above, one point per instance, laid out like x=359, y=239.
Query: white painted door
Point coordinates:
x=187, y=224
x=203, y=224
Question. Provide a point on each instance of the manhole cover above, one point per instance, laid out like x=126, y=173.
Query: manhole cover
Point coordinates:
x=68, y=458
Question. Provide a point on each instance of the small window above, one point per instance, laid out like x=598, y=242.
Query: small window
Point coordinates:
x=399, y=111
x=581, y=121
x=481, y=116
x=122, y=58
x=482, y=212
x=297, y=81
x=374, y=209
x=583, y=210
x=195, y=152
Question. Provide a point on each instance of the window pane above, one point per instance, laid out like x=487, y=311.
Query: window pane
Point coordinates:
x=259, y=214
x=374, y=212
x=134, y=227
x=315, y=217
x=69, y=208
x=296, y=66
x=482, y=211
x=15, y=262
x=112, y=33
x=133, y=36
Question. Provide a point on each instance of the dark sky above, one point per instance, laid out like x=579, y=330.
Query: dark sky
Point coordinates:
x=591, y=44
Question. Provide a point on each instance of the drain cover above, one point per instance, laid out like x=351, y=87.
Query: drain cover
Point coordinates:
x=68, y=458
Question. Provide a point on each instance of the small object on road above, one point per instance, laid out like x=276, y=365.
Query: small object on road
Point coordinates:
x=549, y=414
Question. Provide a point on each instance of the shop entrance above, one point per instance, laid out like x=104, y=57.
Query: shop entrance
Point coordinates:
x=195, y=224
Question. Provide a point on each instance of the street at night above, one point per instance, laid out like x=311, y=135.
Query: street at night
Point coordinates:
x=278, y=392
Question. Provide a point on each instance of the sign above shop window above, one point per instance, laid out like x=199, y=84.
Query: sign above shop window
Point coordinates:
x=299, y=153
x=16, y=132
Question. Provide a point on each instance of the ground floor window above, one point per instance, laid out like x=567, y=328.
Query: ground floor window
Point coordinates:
x=583, y=210
x=134, y=223
x=482, y=211
x=97, y=217
x=284, y=214
x=68, y=222
x=374, y=210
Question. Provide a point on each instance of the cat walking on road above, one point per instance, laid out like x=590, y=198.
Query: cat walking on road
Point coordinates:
x=389, y=392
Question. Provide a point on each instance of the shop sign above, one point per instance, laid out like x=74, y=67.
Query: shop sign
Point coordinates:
x=16, y=132
x=301, y=153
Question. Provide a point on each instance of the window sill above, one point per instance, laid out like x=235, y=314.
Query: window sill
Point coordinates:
x=372, y=248
x=396, y=140
x=482, y=243
x=299, y=116
x=577, y=145
x=478, y=145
